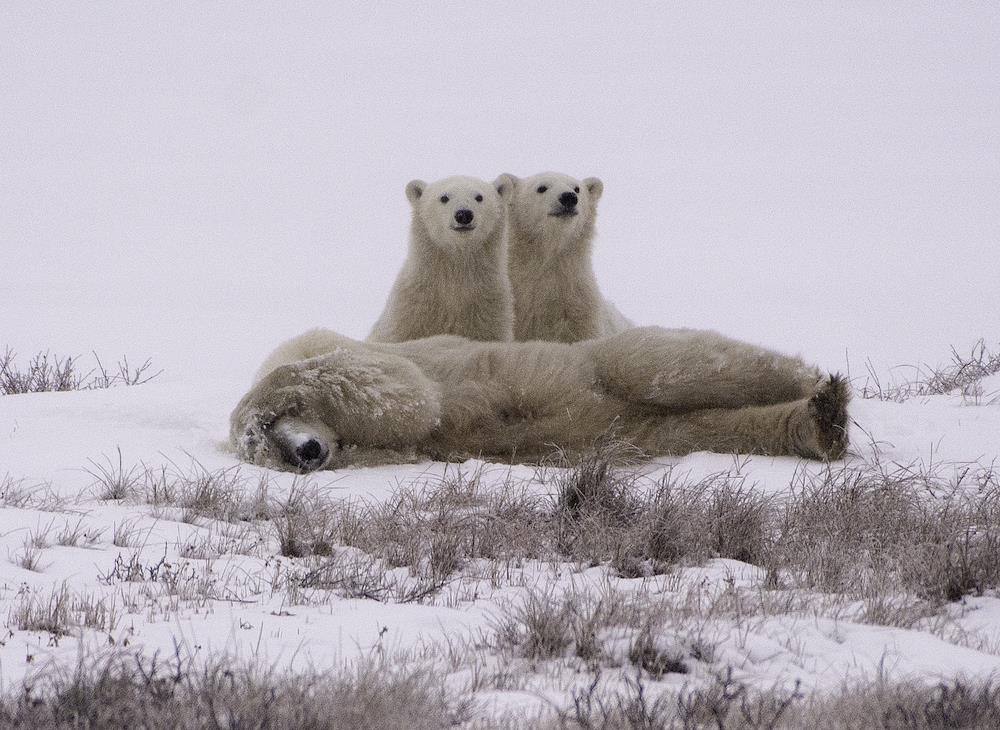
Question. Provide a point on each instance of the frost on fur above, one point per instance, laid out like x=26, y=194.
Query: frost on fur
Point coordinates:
x=663, y=391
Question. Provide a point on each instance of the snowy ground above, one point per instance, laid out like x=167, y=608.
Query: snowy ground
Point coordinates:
x=228, y=602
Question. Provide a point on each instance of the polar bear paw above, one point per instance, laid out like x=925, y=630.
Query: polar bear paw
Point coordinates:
x=827, y=409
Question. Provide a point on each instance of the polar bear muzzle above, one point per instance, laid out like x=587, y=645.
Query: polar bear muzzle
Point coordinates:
x=301, y=446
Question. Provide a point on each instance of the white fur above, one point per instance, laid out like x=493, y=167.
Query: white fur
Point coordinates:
x=446, y=397
x=556, y=296
x=454, y=280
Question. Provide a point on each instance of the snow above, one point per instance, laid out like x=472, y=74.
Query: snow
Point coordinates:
x=170, y=423
x=195, y=184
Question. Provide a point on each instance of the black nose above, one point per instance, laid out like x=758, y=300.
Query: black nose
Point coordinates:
x=568, y=200
x=310, y=450
x=311, y=454
x=463, y=217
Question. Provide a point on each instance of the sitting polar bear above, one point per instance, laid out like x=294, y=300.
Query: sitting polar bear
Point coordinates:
x=551, y=232
x=454, y=280
x=324, y=401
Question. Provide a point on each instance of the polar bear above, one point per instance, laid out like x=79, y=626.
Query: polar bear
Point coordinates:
x=325, y=401
x=551, y=231
x=454, y=280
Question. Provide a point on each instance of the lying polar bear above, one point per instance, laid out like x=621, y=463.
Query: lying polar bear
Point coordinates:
x=324, y=401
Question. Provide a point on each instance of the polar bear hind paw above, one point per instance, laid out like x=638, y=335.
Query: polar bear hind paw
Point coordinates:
x=828, y=410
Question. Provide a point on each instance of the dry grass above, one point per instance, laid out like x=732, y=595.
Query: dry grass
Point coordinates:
x=30, y=556
x=62, y=612
x=929, y=532
x=46, y=372
x=111, y=480
x=122, y=373
x=897, y=541
x=135, y=569
x=125, y=534
x=897, y=538
x=438, y=527
x=595, y=629
x=539, y=627
x=862, y=530
x=433, y=530
x=409, y=547
x=19, y=494
x=127, y=691
x=219, y=539
x=225, y=494
x=304, y=521
x=121, y=690
x=354, y=574
x=728, y=704
x=962, y=375
x=873, y=542
x=722, y=704
x=600, y=514
x=39, y=537
x=893, y=537
x=606, y=513
x=78, y=535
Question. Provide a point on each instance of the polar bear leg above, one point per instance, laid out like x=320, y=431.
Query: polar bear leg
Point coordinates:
x=813, y=428
x=687, y=370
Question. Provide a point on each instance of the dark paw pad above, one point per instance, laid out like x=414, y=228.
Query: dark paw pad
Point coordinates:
x=828, y=408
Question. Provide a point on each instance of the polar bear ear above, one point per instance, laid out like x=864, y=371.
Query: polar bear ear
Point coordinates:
x=414, y=189
x=505, y=185
x=595, y=187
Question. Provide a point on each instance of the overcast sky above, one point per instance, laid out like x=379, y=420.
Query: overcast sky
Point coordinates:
x=202, y=180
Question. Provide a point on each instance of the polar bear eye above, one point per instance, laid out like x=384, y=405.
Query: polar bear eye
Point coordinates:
x=479, y=198
x=542, y=188
x=576, y=189
x=444, y=198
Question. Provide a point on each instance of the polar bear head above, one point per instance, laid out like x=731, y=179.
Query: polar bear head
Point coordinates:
x=459, y=212
x=553, y=208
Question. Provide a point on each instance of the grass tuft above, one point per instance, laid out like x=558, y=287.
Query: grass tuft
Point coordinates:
x=128, y=691
x=46, y=372
x=727, y=703
x=113, y=480
x=962, y=374
x=62, y=612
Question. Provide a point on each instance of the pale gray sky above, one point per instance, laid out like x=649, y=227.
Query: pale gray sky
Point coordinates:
x=185, y=180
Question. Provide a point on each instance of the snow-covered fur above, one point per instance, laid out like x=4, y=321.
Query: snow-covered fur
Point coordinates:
x=454, y=280
x=551, y=232
x=324, y=401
